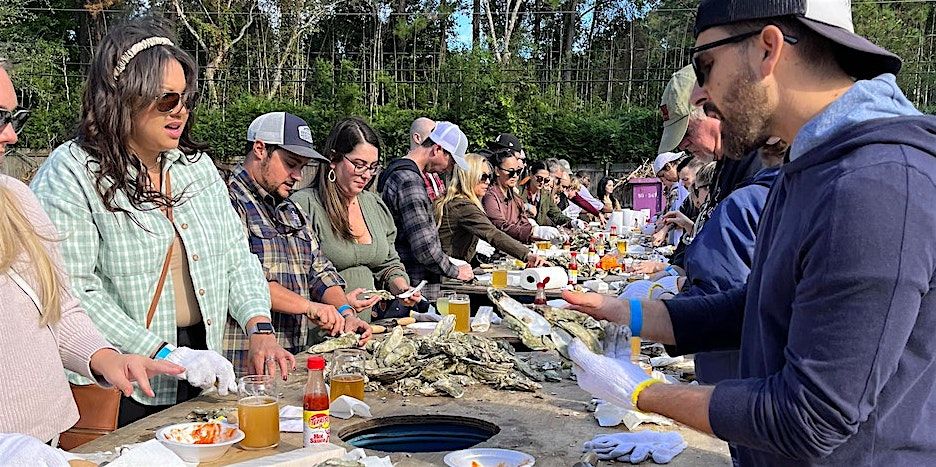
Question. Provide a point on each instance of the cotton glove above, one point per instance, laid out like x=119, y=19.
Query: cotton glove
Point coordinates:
x=616, y=343
x=637, y=447
x=610, y=379
x=579, y=224
x=203, y=368
x=533, y=223
x=546, y=232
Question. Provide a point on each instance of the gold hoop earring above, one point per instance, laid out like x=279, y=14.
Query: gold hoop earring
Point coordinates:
x=331, y=175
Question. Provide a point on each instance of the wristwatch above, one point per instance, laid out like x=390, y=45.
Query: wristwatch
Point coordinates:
x=260, y=328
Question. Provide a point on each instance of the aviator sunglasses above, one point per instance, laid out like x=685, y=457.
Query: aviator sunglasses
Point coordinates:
x=169, y=101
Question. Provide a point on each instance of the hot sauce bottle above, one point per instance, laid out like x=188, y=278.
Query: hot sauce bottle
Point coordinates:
x=573, y=269
x=316, y=421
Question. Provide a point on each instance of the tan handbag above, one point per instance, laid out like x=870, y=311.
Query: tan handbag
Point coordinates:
x=98, y=408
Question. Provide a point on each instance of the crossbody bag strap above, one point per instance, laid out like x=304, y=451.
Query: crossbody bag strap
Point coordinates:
x=165, y=269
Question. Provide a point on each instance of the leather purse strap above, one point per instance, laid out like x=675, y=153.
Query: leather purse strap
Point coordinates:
x=165, y=269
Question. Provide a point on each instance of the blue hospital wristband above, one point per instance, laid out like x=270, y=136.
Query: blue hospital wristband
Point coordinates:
x=343, y=308
x=636, y=317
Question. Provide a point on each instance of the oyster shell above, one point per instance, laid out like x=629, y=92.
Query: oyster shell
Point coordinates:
x=345, y=341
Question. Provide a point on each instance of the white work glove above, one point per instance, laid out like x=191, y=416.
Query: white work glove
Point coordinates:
x=637, y=447
x=17, y=449
x=484, y=249
x=533, y=223
x=203, y=368
x=610, y=379
x=616, y=343
x=545, y=232
x=579, y=224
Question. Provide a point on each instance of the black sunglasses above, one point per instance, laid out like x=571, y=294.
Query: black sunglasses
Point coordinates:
x=169, y=101
x=511, y=173
x=700, y=75
x=486, y=178
x=541, y=179
x=16, y=118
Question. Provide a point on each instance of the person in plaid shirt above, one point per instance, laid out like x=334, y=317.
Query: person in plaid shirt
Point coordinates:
x=304, y=285
x=404, y=192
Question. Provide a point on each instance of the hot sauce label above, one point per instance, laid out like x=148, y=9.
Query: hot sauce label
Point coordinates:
x=316, y=427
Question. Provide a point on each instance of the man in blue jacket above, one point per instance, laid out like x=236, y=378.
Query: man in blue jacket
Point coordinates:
x=837, y=349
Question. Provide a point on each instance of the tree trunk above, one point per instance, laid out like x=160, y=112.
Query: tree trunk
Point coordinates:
x=570, y=27
x=475, y=24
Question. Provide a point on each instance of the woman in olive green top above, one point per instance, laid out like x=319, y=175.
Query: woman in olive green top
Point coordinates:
x=462, y=220
x=354, y=227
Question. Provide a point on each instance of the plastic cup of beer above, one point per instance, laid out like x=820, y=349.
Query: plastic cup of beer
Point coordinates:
x=258, y=412
x=622, y=246
x=347, y=374
x=499, y=276
x=460, y=306
x=543, y=245
x=442, y=303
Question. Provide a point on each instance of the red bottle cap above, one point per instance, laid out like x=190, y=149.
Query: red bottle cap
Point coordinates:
x=316, y=362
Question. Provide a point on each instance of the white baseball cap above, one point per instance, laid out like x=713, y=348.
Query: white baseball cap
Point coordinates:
x=453, y=140
x=663, y=159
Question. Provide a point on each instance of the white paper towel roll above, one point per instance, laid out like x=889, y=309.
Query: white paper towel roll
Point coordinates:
x=558, y=278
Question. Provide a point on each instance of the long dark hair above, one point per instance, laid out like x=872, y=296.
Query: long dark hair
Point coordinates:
x=344, y=136
x=602, y=188
x=108, y=106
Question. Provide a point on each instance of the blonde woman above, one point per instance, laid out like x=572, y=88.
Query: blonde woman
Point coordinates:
x=462, y=220
x=45, y=328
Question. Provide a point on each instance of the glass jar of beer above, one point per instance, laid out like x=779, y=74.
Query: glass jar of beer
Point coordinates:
x=460, y=306
x=347, y=374
x=258, y=412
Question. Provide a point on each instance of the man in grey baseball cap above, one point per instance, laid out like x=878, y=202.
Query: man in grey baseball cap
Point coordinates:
x=836, y=323
x=305, y=287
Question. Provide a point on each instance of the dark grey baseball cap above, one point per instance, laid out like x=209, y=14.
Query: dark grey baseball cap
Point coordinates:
x=831, y=19
x=286, y=131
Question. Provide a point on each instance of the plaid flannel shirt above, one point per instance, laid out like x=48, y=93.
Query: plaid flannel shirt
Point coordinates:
x=417, y=241
x=289, y=253
x=115, y=264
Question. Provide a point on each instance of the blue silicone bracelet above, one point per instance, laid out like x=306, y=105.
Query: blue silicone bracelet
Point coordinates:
x=636, y=317
x=671, y=271
x=344, y=308
x=164, y=352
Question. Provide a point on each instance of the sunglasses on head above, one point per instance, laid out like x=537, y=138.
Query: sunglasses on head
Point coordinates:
x=511, y=173
x=16, y=118
x=693, y=51
x=169, y=101
x=486, y=177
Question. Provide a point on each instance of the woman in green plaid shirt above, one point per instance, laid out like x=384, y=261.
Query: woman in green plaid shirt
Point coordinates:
x=131, y=186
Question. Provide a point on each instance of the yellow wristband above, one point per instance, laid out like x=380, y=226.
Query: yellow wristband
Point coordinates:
x=640, y=387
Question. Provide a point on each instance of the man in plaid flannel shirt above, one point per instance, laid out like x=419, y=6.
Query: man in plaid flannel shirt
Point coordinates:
x=304, y=285
x=403, y=190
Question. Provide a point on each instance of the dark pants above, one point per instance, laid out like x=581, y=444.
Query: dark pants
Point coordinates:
x=130, y=410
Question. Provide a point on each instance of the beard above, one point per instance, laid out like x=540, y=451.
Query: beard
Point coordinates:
x=744, y=116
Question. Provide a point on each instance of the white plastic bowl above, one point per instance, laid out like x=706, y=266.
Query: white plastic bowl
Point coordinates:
x=195, y=453
x=422, y=328
x=488, y=457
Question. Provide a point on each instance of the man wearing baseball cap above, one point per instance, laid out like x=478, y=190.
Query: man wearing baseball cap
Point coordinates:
x=403, y=191
x=837, y=354
x=304, y=285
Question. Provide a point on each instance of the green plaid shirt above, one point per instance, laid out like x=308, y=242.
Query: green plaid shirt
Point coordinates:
x=114, y=264
x=280, y=235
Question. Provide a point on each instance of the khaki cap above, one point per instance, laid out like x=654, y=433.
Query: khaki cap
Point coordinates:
x=675, y=108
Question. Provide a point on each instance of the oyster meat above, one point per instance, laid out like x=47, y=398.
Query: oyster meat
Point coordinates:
x=345, y=341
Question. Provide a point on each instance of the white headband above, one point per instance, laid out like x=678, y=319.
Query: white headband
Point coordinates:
x=135, y=49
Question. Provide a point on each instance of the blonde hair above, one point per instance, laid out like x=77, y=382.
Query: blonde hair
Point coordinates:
x=17, y=236
x=705, y=175
x=463, y=184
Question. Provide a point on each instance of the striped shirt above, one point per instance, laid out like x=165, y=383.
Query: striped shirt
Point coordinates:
x=115, y=264
x=279, y=234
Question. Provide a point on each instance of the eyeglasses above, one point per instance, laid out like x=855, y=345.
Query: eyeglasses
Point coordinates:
x=697, y=189
x=510, y=173
x=693, y=51
x=16, y=118
x=360, y=167
x=169, y=101
x=486, y=177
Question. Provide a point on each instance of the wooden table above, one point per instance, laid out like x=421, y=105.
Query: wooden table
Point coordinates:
x=551, y=424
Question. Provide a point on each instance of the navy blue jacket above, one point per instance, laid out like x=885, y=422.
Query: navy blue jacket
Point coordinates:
x=719, y=259
x=838, y=343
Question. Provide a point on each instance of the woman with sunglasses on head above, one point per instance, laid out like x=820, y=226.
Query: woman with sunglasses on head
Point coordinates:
x=462, y=220
x=537, y=192
x=155, y=251
x=355, y=228
x=505, y=208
